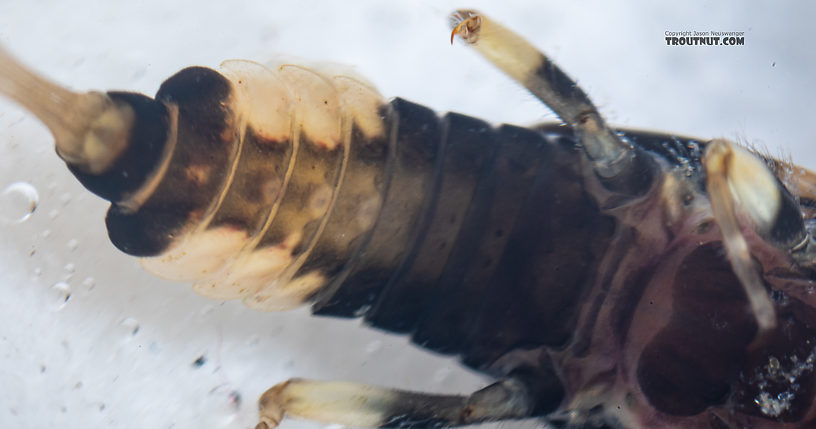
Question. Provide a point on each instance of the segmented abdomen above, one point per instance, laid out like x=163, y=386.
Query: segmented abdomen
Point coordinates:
x=286, y=186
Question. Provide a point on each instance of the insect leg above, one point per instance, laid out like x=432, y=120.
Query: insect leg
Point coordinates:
x=740, y=183
x=621, y=168
x=358, y=405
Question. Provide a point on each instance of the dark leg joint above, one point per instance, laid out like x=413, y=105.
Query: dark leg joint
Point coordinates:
x=635, y=174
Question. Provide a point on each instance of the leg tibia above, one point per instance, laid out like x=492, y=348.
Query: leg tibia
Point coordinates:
x=359, y=405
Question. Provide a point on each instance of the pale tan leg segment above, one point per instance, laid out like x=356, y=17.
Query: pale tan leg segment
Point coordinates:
x=358, y=405
x=613, y=158
x=733, y=175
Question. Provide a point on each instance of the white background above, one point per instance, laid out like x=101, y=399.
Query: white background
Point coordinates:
x=78, y=364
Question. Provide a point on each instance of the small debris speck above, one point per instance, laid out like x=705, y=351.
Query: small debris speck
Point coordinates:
x=199, y=362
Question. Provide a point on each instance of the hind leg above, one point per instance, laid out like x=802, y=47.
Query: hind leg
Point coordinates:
x=358, y=405
x=623, y=170
x=744, y=193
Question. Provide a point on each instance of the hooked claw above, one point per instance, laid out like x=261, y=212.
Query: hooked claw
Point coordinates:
x=466, y=24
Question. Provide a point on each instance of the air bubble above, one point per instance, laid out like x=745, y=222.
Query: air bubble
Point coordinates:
x=773, y=365
x=18, y=202
x=131, y=326
x=73, y=244
x=774, y=406
x=89, y=283
x=65, y=198
x=60, y=294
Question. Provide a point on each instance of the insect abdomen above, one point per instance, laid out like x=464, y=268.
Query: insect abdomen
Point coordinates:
x=440, y=227
x=503, y=254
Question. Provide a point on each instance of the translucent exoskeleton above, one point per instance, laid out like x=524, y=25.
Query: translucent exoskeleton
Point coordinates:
x=589, y=398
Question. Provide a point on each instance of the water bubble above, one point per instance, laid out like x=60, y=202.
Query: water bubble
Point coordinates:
x=773, y=365
x=774, y=406
x=60, y=294
x=131, y=326
x=65, y=198
x=73, y=244
x=69, y=268
x=89, y=283
x=17, y=202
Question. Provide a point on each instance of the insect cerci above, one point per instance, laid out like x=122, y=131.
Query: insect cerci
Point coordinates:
x=91, y=340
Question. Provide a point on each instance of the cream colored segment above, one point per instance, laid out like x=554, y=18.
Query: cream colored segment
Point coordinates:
x=717, y=161
x=262, y=99
x=358, y=96
x=317, y=107
x=754, y=186
x=244, y=275
x=266, y=269
x=363, y=104
x=283, y=293
x=248, y=272
x=251, y=271
x=348, y=404
x=507, y=50
x=201, y=250
x=329, y=69
x=197, y=255
x=320, y=205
